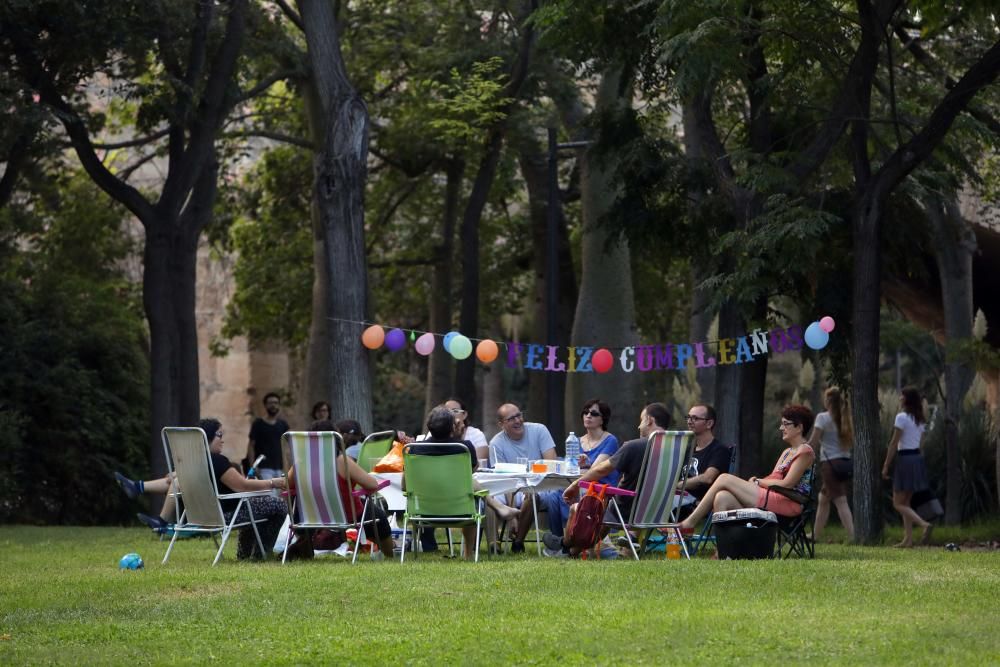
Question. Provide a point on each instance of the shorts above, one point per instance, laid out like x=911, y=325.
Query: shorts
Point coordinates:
x=833, y=485
x=777, y=503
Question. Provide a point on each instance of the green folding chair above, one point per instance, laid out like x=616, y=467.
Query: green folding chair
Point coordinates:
x=437, y=483
x=375, y=445
x=667, y=454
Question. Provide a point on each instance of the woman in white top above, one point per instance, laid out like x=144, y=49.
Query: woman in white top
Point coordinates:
x=832, y=432
x=911, y=471
x=466, y=432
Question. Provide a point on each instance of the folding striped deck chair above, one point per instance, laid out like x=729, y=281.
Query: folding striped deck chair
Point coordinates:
x=188, y=451
x=667, y=454
x=315, y=501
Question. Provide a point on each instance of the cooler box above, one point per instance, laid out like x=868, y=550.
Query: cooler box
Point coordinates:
x=745, y=533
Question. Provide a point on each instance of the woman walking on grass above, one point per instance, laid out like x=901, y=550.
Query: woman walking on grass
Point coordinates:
x=832, y=432
x=911, y=471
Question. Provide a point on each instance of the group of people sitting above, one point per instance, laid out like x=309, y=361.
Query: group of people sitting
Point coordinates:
x=707, y=484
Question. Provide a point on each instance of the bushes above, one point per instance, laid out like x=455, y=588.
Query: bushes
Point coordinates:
x=73, y=367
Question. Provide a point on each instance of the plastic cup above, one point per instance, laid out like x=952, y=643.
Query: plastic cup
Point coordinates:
x=539, y=466
x=523, y=462
x=484, y=464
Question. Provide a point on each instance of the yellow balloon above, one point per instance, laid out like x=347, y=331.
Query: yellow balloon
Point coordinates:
x=487, y=351
x=373, y=337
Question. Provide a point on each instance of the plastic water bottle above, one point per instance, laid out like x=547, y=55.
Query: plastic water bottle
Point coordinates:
x=673, y=546
x=572, y=454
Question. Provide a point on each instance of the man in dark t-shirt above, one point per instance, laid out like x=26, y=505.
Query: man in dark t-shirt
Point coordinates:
x=627, y=460
x=265, y=438
x=710, y=457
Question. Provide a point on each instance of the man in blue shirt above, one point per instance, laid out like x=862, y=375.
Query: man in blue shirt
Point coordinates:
x=520, y=439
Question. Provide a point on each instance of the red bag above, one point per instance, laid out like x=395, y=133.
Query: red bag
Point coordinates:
x=583, y=530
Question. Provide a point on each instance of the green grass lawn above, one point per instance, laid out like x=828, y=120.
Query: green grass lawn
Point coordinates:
x=63, y=600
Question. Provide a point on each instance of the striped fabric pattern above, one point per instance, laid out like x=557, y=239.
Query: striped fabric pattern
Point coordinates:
x=666, y=456
x=317, y=498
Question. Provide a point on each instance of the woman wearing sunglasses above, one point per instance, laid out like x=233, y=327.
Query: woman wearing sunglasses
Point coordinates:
x=793, y=470
x=596, y=445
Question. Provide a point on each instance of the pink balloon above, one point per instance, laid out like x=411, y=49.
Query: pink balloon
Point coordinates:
x=425, y=344
x=827, y=324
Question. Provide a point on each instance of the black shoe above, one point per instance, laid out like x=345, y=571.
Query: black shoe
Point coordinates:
x=552, y=541
x=130, y=487
x=517, y=547
x=154, y=522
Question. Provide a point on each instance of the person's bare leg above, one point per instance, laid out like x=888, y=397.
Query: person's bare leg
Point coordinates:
x=744, y=492
x=525, y=518
x=469, y=537
x=846, y=518
x=822, y=514
x=901, y=503
x=725, y=500
x=161, y=485
x=502, y=511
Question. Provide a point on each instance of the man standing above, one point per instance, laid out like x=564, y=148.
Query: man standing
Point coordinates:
x=265, y=438
x=520, y=439
x=710, y=457
x=627, y=460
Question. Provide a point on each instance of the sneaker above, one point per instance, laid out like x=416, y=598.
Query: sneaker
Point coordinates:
x=554, y=553
x=552, y=541
x=154, y=522
x=517, y=547
x=130, y=487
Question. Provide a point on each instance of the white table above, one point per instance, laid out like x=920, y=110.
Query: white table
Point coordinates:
x=497, y=483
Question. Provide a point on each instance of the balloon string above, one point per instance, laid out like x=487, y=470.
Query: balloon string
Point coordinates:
x=368, y=323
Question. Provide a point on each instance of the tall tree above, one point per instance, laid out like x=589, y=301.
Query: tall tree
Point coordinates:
x=341, y=169
x=197, y=48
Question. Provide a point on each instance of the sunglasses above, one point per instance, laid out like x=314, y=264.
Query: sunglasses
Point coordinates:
x=592, y=413
x=787, y=424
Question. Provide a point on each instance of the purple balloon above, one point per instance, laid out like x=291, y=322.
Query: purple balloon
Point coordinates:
x=395, y=340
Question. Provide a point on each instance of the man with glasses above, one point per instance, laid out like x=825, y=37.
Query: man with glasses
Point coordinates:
x=710, y=457
x=520, y=439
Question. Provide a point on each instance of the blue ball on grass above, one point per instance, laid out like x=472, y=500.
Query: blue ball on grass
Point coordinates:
x=132, y=561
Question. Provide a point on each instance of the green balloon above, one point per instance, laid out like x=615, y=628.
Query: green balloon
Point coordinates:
x=461, y=347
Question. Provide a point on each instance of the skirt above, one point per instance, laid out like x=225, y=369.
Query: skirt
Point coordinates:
x=264, y=507
x=911, y=471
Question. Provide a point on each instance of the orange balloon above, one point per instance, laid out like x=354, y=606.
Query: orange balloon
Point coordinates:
x=487, y=351
x=373, y=337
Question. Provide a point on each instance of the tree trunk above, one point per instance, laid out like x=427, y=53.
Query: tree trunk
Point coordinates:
x=727, y=384
x=317, y=386
x=439, y=365
x=954, y=245
x=465, y=386
x=605, y=309
x=534, y=168
x=866, y=299
x=341, y=170
x=753, y=380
